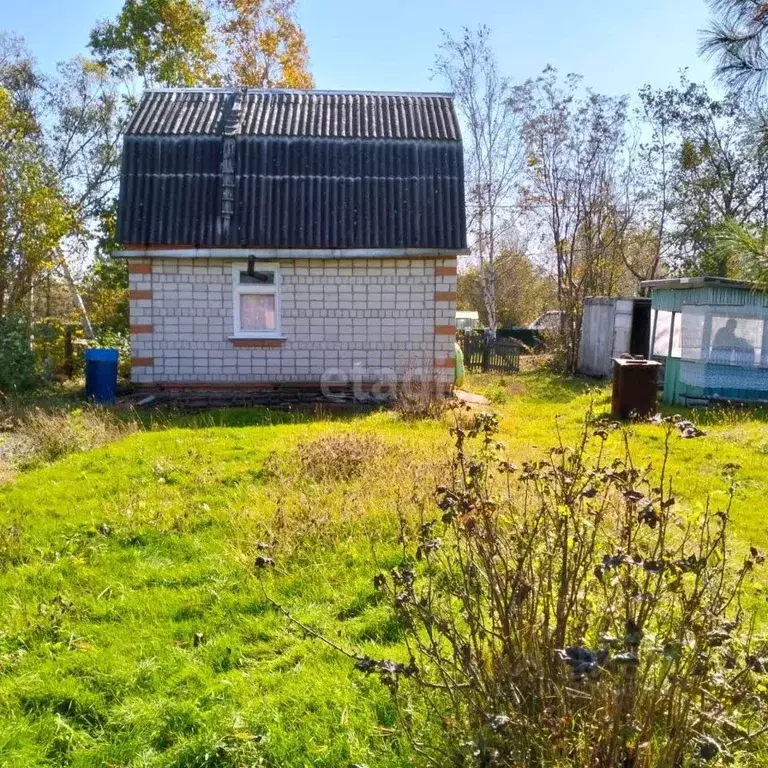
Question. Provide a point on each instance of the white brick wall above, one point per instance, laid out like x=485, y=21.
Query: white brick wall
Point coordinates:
x=363, y=318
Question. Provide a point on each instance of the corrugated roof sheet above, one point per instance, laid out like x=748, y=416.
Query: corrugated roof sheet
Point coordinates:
x=185, y=112
x=303, y=170
x=684, y=283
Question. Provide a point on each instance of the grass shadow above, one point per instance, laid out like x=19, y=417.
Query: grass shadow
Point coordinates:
x=253, y=416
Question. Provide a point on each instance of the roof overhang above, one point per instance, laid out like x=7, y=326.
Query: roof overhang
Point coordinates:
x=684, y=283
x=286, y=253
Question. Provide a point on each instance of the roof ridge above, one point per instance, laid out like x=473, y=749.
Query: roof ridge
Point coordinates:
x=300, y=91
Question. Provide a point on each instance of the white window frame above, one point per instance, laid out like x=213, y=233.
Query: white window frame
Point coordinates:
x=239, y=290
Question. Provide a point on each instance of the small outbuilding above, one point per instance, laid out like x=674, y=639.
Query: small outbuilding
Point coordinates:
x=467, y=319
x=711, y=333
x=291, y=237
x=612, y=327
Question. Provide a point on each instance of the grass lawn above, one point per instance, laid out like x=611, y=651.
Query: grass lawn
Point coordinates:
x=133, y=627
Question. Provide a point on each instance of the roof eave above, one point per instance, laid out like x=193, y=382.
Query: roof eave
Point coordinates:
x=686, y=283
x=159, y=252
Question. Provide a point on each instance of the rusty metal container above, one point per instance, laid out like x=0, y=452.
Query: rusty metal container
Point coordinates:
x=634, y=387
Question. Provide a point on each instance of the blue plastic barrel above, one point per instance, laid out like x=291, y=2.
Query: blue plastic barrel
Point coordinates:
x=101, y=374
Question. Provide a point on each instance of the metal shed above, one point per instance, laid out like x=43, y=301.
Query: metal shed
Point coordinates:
x=612, y=327
x=712, y=335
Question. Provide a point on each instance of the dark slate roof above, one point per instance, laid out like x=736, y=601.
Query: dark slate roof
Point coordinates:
x=297, y=113
x=297, y=169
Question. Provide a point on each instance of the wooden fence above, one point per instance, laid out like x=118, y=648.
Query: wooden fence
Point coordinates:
x=490, y=355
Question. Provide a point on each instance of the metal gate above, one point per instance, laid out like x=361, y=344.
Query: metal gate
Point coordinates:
x=491, y=355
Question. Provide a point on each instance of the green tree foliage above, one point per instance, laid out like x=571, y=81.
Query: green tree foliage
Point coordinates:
x=17, y=372
x=743, y=247
x=164, y=42
x=575, y=190
x=33, y=214
x=19, y=77
x=105, y=287
x=737, y=40
x=85, y=112
x=60, y=170
x=524, y=291
x=256, y=43
x=717, y=171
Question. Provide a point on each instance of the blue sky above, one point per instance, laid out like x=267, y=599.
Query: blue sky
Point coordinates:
x=617, y=45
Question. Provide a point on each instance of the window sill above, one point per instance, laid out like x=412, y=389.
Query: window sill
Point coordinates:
x=257, y=341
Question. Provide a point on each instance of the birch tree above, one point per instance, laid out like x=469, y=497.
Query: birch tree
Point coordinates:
x=85, y=109
x=261, y=44
x=574, y=142
x=494, y=151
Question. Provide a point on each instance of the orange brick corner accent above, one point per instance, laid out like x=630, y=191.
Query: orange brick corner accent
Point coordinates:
x=139, y=269
x=445, y=330
x=137, y=362
x=446, y=271
x=445, y=362
x=136, y=295
x=257, y=342
x=140, y=329
x=446, y=295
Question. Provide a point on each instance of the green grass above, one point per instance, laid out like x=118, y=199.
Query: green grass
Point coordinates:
x=111, y=561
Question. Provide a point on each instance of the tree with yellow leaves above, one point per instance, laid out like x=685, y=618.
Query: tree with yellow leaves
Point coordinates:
x=263, y=45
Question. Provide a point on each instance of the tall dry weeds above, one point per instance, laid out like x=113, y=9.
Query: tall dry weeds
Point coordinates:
x=563, y=614
x=52, y=435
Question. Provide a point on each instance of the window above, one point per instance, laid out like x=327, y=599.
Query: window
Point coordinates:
x=666, y=323
x=726, y=336
x=256, y=301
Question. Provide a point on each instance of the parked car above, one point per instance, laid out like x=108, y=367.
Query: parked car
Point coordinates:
x=549, y=321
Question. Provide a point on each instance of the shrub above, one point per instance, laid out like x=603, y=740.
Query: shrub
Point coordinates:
x=563, y=614
x=49, y=347
x=416, y=404
x=17, y=372
x=51, y=435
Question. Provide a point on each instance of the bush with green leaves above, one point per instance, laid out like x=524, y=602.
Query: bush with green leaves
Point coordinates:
x=17, y=371
x=563, y=614
x=119, y=340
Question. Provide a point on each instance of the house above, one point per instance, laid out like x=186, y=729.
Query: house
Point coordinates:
x=612, y=327
x=291, y=238
x=711, y=333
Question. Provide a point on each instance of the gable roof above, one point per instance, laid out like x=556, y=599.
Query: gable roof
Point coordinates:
x=320, y=114
x=292, y=170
